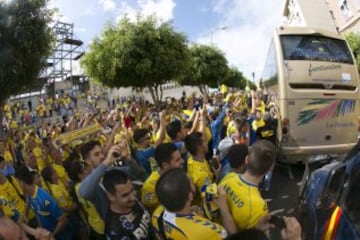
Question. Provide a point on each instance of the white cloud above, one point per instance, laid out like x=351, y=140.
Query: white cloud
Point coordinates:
x=162, y=9
x=126, y=10
x=107, y=5
x=249, y=28
x=59, y=17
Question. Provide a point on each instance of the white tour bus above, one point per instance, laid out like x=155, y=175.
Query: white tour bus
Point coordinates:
x=313, y=78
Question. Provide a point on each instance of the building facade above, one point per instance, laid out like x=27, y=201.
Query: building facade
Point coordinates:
x=333, y=15
x=309, y=13
x=346, y=14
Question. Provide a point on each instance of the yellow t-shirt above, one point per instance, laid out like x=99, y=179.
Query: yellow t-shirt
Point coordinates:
x=148, y=195
x=41, y=109
x=7, y=156
x=185, y=227
x=245, y=201
x=207, y=134
x=201, y=174
x=37, y=140
x=6, y=108
x=262, y=107
x=10, y=201
x=61, y=195
x=231, y=129
x=66, y=154
x=38, y=153
x=13, y=125
x=257, y=124
x=67, y=100
x=95, y=221
x=156, y=136
x=63, y=177
x=49, y=103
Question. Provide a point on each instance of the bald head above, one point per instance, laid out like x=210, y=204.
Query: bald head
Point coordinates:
x=9, y=230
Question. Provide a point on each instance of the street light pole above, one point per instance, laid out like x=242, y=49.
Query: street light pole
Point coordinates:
x=253, y=75
x=213, y=32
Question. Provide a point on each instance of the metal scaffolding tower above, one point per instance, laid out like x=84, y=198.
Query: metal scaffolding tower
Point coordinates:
x=67, y=50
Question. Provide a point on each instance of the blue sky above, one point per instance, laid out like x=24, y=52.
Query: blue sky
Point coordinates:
x=244, y=41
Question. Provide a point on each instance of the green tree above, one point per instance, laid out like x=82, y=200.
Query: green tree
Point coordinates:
x=354, y=42
x=234, y=78
x=144, y=54
x=25, y=43
x=208, y=68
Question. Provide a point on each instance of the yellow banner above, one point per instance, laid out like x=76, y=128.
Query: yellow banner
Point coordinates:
x=68, y=137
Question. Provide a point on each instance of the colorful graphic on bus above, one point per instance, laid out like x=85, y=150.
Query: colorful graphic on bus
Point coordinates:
x=321, y=109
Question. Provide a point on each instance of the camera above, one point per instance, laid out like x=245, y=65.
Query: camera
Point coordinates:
x=118, y=162
x=277, y=221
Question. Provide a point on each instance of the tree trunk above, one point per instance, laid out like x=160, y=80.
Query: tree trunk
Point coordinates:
x=161, y=93
x=156, y=93
x=151, y=90
x=202, y=90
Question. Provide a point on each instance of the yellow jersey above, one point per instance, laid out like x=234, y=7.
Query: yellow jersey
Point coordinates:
x=148, y=195
x=13, y=124
x=36, y=139
x=93, y=217
x=10, y=200
x=61, y=195
x=8, y=157
x=66, y=154
x=207, y=133
x=201, y=174
x=63, y=177
x=41, y=109
x=245, y=201
x=231, y=129
x=262, y=107
x=38, y=153
x=186, y=227
x=6, y=108
x=49, y=103
x=156, y=136
x=257, y=124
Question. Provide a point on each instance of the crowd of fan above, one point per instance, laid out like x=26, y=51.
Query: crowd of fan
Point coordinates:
x=184, y=169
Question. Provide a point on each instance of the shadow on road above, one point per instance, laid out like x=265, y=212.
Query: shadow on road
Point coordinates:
x=284, y=192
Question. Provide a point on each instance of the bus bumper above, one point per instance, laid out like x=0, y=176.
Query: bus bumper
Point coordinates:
x=289, y=151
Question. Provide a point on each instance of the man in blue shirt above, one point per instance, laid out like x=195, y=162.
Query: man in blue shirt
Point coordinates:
x=144, y=150
x=47, y=211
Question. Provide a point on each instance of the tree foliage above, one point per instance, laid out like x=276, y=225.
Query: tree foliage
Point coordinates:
x=234, y=78
x=141, y=54
x=25, y=43
x=208, y=67
x=354, y=42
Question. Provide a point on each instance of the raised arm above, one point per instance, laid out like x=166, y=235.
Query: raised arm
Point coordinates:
x=88, y=187
x=162, y=129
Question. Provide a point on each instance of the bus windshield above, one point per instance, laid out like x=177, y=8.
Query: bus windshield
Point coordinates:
x=315, y=48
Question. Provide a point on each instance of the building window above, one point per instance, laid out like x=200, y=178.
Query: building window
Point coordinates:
x=345, y=9
x=332, y=14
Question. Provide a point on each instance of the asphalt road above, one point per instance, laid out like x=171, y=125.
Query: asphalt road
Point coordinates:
x=284, y=192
